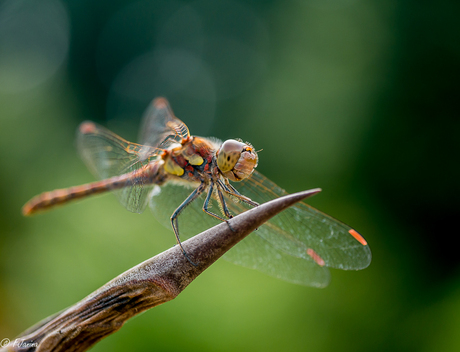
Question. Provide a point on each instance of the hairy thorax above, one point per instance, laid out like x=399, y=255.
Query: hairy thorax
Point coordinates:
x=190, y=161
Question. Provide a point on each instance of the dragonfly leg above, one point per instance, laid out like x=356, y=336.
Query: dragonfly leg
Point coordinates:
x=206, y=204
x=174, y=217
x=224, y=207
x=228, y=188
x=222, y=203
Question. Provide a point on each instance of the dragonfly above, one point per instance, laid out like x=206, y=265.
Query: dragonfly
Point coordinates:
x=204, y=181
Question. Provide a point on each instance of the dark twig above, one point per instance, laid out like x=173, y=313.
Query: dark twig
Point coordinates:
x=144, y=286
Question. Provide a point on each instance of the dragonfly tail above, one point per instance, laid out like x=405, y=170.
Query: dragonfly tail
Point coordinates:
x=51, y=199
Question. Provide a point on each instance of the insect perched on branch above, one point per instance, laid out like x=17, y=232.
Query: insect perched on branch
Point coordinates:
x=202, y=181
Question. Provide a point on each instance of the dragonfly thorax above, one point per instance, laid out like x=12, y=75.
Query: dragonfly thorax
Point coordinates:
x=236, y=160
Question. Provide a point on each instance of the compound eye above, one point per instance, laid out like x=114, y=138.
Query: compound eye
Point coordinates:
x=228, y=154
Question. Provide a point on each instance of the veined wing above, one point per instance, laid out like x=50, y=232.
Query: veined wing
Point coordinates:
x=297, y=245
x=253, y=252
x=160, y=128
x=108, y=155
x=305, y=232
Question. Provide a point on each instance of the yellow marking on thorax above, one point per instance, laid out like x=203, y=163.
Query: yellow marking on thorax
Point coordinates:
x=189, y=153
x=194, y=159
x=172, y=168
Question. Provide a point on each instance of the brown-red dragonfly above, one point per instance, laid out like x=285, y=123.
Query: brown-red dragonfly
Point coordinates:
x=180, y=174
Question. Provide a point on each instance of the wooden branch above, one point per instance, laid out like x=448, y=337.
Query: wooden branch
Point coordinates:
x=144, y=286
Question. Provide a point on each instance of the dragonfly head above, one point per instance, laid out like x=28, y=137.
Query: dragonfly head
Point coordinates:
x=236, y=160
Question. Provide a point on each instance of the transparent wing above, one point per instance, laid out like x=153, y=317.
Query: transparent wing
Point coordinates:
x=108, y=155
x=303, y=231
x=297, y=245
x=253, y=252
x=160, y=128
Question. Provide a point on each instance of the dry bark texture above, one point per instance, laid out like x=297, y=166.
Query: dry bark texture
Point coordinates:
x=144, y=286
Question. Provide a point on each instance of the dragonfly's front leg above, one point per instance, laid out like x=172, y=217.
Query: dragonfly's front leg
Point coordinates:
x=228, y=188
x=174, y=217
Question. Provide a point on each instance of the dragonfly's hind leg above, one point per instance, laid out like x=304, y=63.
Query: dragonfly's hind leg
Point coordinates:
x=174, y=217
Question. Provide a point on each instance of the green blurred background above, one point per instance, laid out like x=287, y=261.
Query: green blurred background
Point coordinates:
x=359, y=98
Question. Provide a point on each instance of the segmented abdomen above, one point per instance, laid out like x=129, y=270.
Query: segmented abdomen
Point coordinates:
x=61, y=196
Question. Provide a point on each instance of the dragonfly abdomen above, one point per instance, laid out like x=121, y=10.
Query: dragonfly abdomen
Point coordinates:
x=151, y=173
x=47, y=200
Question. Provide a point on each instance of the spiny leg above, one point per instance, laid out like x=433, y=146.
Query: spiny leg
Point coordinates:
x=222, y=203
x=228, y=188
x=174, y=217
x=206, y=203
x=224, y=186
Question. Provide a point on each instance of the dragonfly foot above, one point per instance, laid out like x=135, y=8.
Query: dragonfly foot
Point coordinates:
x=229, y=226
x=187, y=257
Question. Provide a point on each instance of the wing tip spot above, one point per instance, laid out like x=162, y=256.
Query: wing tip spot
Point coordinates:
x=316, y=257
x=87, y=127
x=357, y=237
